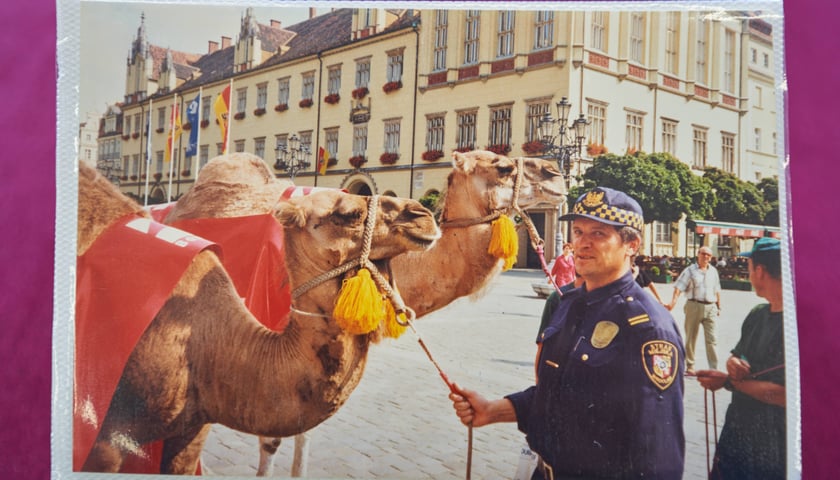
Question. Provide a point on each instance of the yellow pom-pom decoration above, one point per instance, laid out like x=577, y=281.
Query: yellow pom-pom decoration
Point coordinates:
x=503, y=241
x=359, y=307
x=391, y=327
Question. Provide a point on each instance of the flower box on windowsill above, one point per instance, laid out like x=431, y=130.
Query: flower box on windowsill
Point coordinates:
x=360, y=93
x=133, y=177
x=332, y=162
x=389, y=158
x=499, y=149
x=239, y=116
x=259, y=112
x=464, y=149
x=534, y=147
x=185, y=173
x=187, y=126
x=432, y=155
x=124, y=178
x=126, y=137
x=281, y=107
x=357, y=161
x=332, y=98
x=595, y=149
x=391, y=86
x=204, y=123
x=159, y=130
x=135, y=135
x=158, y=176
x=305, y=103
x=143, y=176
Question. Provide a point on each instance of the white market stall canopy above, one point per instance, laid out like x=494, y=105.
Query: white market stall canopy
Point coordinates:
x=743, y=230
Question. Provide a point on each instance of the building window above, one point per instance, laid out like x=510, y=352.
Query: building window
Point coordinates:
x=633, y=131
x=599, y=31
x=597, y=113
x=729, y=62
x=700, y=52
x=637, y=37
x=283, y=91
x=308, y=85
x=239, y=146
x=500, y=126
x=262, y=95
x=334, y=80
x=126, y=125
x=727, y=141
x=306, y=141
x=331, y=139
x=362, y=73
x=759, y=102
x=135, y=164
x=137, y=123
x=471, y=37
x=766, y=60
x=392, y=136
x=662, y=232
x=187, y=163
x=360, y=140
x=161, y=117
x=669, y=136
x=241, y=99
x=205, y=108
x=203, y=156
x=435, y=128
x=395, y=66
x=753, y=55
x=159, y=161
x=544, y=29
x=672, y=41
x=126, y=164
x=698, y=160
x=504, y=40
x=280, y=141
x=441, y=33
x=259, y=147
x=774, y=144
x=219, y=148
x=757, y=136
x=532, y=122
x=466, y=129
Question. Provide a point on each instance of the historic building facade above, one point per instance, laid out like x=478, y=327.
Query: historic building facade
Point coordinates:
x=389, y=94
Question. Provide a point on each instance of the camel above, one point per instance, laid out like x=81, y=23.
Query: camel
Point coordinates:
x=205, y=359
x=480, y=184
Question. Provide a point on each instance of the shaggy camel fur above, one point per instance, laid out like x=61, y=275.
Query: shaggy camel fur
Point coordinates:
x=480, y=183
x=205, y=359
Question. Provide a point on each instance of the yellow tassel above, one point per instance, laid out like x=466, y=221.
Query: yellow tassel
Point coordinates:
x=503, y=241
x=392, y=328
x=359, y=307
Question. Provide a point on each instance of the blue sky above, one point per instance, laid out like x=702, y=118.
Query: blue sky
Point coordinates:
x=108, y=28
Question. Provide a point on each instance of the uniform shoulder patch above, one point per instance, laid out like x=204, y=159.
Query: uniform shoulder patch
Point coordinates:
x=661, y=360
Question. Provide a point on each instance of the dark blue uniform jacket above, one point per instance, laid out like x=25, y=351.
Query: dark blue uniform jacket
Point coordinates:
x=609, y=399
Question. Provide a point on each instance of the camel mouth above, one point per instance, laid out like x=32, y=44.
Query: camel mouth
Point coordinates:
x=425, y=241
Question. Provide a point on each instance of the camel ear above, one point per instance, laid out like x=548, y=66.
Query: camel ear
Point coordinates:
x=463, y=162
x=290, y=215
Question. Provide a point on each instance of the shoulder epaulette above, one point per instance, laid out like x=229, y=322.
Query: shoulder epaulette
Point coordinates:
x=635, y=311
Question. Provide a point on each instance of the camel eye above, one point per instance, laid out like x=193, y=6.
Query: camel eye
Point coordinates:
x=347, y=216
x=505, y=170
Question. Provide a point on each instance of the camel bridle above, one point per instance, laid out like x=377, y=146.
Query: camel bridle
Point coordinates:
x=362, y=262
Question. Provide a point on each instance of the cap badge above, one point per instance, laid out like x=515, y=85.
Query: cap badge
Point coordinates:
x=604, y=333
x=593, y=199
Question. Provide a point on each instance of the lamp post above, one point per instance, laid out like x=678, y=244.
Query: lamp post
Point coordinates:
x=292, y=157
x=562, y=146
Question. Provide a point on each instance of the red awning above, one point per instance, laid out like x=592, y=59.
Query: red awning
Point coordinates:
x=742, y=230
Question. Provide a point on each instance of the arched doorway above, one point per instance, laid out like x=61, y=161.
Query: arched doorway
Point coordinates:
x=360, y=188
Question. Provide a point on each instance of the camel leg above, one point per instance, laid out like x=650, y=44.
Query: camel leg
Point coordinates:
x=181, y=454
x=301, y=458
x=268, y=450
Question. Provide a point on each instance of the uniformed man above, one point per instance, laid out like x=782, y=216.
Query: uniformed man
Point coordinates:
x=608, y=401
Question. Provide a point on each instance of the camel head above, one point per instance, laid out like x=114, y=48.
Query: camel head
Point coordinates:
x=493, y=177
x=330, y=224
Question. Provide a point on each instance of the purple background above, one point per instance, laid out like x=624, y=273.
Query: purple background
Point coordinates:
x=27, y=199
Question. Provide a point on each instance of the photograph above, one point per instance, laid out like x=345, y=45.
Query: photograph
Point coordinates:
x=421, y=240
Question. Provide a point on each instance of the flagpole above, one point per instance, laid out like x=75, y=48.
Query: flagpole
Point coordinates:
x=198, y=135
x=230, y=110
x=148, y=154
x=172, y=119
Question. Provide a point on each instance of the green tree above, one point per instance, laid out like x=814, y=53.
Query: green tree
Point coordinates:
x=430, y=200
x=738, y=201
x=695, y=189
x=654, y=184
x=769, y=188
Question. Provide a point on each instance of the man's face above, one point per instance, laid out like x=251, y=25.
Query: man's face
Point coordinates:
x=600, y=254
x=703, y=257
x=756, y=275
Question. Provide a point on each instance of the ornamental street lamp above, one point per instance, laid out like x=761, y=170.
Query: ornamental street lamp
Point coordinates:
x=292, y=157
x=562, y=147
x=568, y=140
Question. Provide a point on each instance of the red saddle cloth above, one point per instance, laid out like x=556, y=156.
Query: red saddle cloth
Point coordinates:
x=122, y=281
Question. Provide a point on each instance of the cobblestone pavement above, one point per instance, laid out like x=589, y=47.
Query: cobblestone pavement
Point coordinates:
x=399, y=423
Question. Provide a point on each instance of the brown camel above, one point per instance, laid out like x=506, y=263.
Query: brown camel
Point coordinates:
x=458, y=265
x=205, y=359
